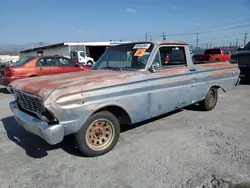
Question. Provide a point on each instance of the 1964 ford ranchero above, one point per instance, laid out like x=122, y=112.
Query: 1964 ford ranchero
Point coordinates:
x=130, y=83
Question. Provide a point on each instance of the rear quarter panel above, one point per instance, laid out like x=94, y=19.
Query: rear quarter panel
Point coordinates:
x=26, y=70
x=223, y=74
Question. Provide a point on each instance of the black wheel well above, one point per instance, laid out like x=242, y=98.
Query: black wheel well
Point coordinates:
x=32, y=75
x=218, y=87
x=120, y=113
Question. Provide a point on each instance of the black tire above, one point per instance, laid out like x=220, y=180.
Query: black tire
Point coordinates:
x=210, y=100
x=90, y=63
x=94, y=132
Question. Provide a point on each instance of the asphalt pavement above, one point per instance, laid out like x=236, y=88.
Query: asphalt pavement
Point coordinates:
x=187, y=148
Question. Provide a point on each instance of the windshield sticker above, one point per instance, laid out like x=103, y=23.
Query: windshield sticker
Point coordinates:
x=140, y=52
x=137, y=46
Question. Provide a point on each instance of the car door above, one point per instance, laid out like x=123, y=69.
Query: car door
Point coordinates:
x=47, y=65
x=172, y=83
x=67, y=65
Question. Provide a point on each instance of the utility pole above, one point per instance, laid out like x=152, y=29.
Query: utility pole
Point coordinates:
x=210, y=44
x=230, y=44
x=197, y=40
x=146, y=36
x=150, y=38
x=245, y=39
x=163, y=36
x=206, y=45
x=236, y=43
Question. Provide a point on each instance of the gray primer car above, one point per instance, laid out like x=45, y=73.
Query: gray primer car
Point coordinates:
x=130, y=83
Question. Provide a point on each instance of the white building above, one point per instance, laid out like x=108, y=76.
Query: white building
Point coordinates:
x=91, y=49
x=6, y=58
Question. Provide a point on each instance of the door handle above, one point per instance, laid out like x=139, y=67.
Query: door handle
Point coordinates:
x=41, y=68
x=192, y=69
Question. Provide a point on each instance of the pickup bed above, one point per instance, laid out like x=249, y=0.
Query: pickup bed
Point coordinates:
x=129, y=83
x=213, y=55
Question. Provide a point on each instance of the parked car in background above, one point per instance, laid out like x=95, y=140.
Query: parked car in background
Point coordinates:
x=129, y=83
x=38, y=66
x=214, y=55
x=242, y=58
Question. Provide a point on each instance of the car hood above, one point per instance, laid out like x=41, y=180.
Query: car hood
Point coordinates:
x=75, y=82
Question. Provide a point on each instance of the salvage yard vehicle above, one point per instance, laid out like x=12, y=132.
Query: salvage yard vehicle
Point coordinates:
x=214, y=55
x=243, y=60
x=37, y=66
x=129, y=83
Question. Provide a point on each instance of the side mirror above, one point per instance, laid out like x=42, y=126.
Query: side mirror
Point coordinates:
x=154, y=67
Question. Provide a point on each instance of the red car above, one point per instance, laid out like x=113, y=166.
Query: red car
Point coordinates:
x=38, y=66
x=214, y=55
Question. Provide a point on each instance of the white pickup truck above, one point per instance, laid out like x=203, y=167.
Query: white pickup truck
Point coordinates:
x=82, y=58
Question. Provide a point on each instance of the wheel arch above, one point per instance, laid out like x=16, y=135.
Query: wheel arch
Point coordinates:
x=121, y=114
x=217, y=87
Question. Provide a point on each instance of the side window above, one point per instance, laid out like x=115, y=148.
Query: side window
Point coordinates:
x=82, y=54
x=172, y=56
x=225, y=51
x=65, y=62
x=46, y=62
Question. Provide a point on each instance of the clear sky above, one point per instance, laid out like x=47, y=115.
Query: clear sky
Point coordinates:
x=28, y=21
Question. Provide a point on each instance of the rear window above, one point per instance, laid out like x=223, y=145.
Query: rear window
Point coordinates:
x=23, y=61
x=213, y=51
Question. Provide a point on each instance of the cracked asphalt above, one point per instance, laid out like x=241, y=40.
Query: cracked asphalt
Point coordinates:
x=187, y=148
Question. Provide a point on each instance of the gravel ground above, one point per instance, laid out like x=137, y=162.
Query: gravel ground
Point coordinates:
x=188, y=148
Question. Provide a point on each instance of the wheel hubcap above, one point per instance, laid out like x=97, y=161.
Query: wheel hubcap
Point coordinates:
x=100, y=134
x=211, y=98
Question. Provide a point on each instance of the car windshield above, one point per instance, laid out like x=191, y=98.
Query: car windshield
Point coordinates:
x=133, y=56
x=22, y=61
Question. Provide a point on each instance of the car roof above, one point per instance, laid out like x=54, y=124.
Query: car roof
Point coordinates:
x=170, y=42
x=154, y=43
x=46, y=56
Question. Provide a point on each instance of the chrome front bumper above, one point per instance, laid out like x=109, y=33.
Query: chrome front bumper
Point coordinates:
x=52, y=134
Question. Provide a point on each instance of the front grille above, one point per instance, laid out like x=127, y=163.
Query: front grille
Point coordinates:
x=29, y=102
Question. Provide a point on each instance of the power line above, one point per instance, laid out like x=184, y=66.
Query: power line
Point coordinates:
x=222, y=37
x=211, y=31
x=223, y=25
x=222, y=40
